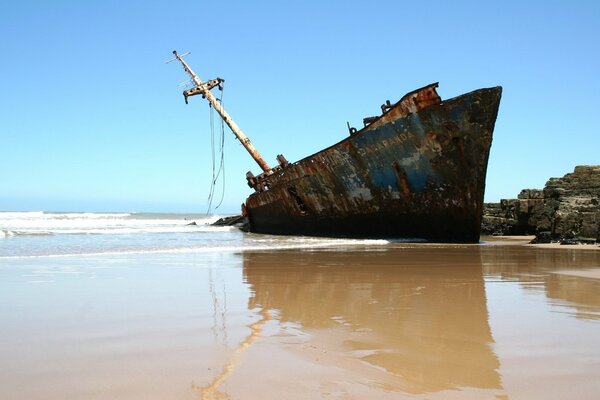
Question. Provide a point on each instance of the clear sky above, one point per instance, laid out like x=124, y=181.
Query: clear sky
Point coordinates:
x=92, y=119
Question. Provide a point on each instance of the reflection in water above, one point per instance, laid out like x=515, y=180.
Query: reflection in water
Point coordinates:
x=539, y=270
x=423, y=313
x=516, y=262
x=418, y=315
x=219, y=314
x=581, y=293
x=211, y=391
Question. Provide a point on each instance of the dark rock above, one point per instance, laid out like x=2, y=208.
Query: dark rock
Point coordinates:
x=530, y=194
x=567, y=207
x=511, y=216
x=238, y=221
x=542, y=237
x=569, y=241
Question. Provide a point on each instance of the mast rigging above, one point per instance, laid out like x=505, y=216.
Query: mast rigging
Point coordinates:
x=204, y=88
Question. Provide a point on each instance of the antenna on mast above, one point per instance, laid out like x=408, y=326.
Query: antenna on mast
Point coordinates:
x=204, y=88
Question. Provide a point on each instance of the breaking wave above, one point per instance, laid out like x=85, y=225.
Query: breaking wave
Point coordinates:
x=42, y=223
x=41, y=234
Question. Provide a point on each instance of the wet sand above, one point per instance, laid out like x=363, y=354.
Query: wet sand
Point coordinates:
x=498, y=320
x=593, y=273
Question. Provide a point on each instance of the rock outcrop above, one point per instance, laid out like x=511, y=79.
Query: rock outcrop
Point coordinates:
x=567, y=208
x=237, y=221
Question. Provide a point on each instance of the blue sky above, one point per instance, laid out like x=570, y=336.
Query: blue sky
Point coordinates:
x=92, y=119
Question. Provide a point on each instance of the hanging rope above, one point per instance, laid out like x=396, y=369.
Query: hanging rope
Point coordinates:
x=217, y=172
x=222, y=163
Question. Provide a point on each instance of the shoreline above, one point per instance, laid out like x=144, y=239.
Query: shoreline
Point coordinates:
x=525, y=241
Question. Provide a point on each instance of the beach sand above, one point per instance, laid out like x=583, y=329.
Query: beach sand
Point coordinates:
x=498, y=320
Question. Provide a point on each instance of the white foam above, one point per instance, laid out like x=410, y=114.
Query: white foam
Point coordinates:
x=37, y=222
x=71, y=234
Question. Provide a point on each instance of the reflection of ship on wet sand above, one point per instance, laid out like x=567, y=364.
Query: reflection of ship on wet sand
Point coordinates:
x=425, y=313
x=539, y=270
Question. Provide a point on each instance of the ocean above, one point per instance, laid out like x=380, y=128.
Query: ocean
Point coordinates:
x=31, y=234
x=154, y=306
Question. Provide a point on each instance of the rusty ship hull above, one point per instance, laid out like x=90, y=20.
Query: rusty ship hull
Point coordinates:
x=416, y=172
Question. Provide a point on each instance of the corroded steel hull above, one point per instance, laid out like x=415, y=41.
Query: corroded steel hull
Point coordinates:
x=417, y=172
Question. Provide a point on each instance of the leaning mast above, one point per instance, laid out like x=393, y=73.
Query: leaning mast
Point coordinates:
x=204, y=88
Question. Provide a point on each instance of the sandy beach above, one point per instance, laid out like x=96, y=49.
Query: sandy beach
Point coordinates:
x=497, y=320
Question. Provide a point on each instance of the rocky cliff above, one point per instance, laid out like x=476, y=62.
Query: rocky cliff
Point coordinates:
x=567, y=208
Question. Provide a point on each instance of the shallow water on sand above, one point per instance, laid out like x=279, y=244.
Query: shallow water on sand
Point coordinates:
x=383, y=321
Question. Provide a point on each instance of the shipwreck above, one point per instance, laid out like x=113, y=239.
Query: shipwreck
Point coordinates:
x=415, y=172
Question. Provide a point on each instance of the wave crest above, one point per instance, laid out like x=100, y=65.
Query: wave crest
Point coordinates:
x=42, y=223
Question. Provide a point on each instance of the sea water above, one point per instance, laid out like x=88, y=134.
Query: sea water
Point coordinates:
x=31, y=234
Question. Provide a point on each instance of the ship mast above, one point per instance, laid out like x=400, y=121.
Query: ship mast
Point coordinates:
x=204, y=89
